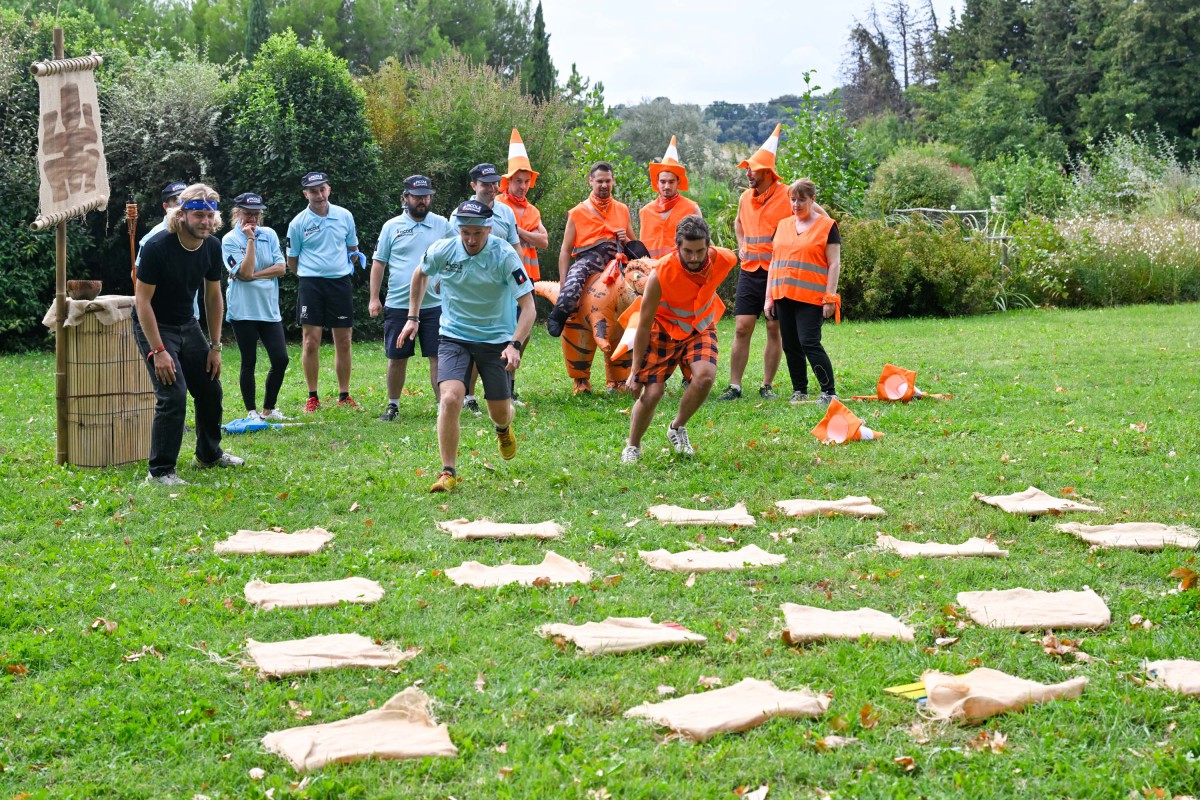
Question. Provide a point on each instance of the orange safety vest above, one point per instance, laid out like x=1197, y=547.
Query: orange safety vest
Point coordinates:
x=528, y=219
x=799, y=269
x=689, y=302
x=759, y=222
x=592, y=227
x=658, y=227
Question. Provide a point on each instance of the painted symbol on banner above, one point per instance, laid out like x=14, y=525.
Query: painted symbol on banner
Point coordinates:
x=71, y=149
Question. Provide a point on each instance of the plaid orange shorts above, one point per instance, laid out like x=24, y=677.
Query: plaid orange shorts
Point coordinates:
x=665, y=353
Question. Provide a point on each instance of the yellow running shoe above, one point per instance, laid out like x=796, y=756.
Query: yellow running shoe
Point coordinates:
x=508, y=444
x=444, y=483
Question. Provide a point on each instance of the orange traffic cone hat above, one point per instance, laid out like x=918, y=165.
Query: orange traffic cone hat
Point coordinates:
x=840, y=426
x=518, y=159
x=765, y=157
x=670, y=163
x=896, y=383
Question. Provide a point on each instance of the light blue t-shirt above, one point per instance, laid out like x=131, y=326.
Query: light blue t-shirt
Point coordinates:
x=479, y=292
x=402, y=243
x=137, y=262
x=504, y=224
x=319, y=244
x=252, y=300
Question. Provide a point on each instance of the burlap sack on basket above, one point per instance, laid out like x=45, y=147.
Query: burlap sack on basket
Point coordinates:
x=1179, y=675
x=711, y=560
x=554, y=569
x=402, y=728
x=486, y=529
x=274, y=543
x=1134, y=535
x=1033, y=502
x=622, y=635
x=803, y=624
x=983, y=693
x=1029, y=610
x=971, y=547
x=109, y=310
x=333, y=651
x=849, y=506
x=312, y=595
x=736, y=517
x=744, y=705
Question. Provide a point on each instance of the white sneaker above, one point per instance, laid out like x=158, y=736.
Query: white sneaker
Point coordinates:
x=679, y=440
x=253, y=415
x=169, y=479
x=226, y=460
x=630, y=454
x=275, y=416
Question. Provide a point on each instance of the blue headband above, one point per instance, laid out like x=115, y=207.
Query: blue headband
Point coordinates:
x=200, y=205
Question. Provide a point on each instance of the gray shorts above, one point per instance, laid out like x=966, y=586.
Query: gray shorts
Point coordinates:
x=455, y=358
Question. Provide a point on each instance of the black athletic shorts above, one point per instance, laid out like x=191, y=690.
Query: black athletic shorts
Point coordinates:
x=325, y=302
x=751, y=293
x=455, y=358
x=394, y=320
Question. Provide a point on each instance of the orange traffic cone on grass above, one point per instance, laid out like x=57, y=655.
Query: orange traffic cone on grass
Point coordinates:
x=840, y=426
x=898, y=385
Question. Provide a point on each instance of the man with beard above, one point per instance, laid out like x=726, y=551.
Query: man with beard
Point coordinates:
x=402, y=243
x=175, y=263
x=599, y=218
x=678, y=324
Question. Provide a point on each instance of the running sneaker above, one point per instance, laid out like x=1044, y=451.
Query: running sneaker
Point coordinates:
x=253, y=415
x=798, y=397
x=824, y=398
x=679, y=440
x=508, y=444
x=349, y=402
x=732, y=393
x=631, y=454
x=226, y=460
x=472, y=405
x=767, y=392
x=312, y=405
x=275, y=416
x=390, y=413
x=168, y=479
x=444, y=483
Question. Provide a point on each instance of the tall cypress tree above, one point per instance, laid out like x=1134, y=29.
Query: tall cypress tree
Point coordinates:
x=257, y=29
x=539, y=76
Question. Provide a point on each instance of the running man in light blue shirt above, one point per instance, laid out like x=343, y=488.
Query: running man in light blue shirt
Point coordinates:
x=322, y=247
x=483, y=287
x=402, y=244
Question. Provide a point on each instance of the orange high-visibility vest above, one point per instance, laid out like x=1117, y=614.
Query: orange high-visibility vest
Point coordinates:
x=689, y=301
x=799, y=269
x=658, y=228
x=759, y=224
x=528, y=219
x=592, y=227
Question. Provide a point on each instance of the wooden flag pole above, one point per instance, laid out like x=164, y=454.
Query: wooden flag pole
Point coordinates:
x=131, y=217
x=60, y=313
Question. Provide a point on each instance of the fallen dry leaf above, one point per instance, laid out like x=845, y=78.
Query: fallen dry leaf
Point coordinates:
x=1054, y=646
x=708, y=681
x=480, y=683
x=602, y=792
x=17, y=669
x=300, y=711
x=354, y=507
x=1187, y=578
x=505, y=772
x=138, y=655
x=691, y=581
x=834, y=742
x=105, y=626
x=665, y=690
x=611, y=580
x=840, y=723
x=868, y=717
x=501, y=748
x=1140, y=427
x=560, y=642
x=946, y=641
x=726, y=540
x=573, y=600
x=731, y=636
x=758, y=794
x=257, y=774
x=543, y=581
x=905, y=762
x=995, y=741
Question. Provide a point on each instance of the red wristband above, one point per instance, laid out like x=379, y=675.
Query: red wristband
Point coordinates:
x=155, y=351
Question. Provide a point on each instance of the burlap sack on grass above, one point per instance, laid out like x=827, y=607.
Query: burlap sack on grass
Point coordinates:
x=274, y=543
x=1033, y=502
x=622, y=635
x=1179, y=675
x=971, y=547
x=554, y=569
x=486, y=529
x=711, y=560
x=744, y=705
x=311, y=595
x=983, y=693
x=849, y=506
x=803, y=624
x=298, y=656
x=736, y=517
x=1029, y=610
x=402, y=728
x=1134, y=535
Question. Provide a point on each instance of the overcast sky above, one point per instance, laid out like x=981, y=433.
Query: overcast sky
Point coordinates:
x=698, y=51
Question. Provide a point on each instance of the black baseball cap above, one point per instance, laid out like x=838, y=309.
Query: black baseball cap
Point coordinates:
x=485, y=173
x=473, y=212
x=418, y=185
x=249, y=200
x=172, y=190
x=312, y=179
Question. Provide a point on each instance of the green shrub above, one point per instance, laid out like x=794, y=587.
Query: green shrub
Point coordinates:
x=1024, y=185
x=1124, y=172
x=917, y=178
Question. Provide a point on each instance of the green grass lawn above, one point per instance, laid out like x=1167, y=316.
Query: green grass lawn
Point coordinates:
x=1044, y=398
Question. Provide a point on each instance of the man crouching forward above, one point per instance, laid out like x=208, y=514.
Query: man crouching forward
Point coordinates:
x=678, y=324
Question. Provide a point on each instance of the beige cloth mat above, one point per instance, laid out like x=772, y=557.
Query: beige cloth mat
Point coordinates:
x=320, y=593
x=730, y=517
x=554, y=568
x=402, y=728
x=971, y=547
x=849, y=506
x=744, y=705
x=711, y=560
x=983, y=693
x=298, y=656
x=622, y=635
x=1134, y=535
x=486, y=529
x=274, y=543
x=1029, y=610
x=1180, y=675
x=810, y=624
x=1033, y=502
x=108, y=308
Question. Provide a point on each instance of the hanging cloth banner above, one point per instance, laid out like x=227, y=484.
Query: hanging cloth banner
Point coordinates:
x=70, y=145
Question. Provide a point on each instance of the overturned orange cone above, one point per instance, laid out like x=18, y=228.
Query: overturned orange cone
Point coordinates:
x=840, y=426
x=898, y=385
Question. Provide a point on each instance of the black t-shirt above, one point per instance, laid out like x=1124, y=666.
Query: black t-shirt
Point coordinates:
x=835, y=236
x=177, y=274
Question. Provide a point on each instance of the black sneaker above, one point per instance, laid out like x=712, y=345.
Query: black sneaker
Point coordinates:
x=767, y=392
x=732, y=393
x=390, y=413
x=472, y=405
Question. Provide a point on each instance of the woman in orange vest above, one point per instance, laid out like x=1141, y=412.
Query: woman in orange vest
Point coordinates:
x=802, y=289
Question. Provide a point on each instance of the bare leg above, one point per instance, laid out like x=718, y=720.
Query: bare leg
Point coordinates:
x=341, y=356
x=772, y=352
x=703, y=375
x=501, y=412
x=397, y=371
x=449, y=408
x=743, y=332
x=433, y=381
x=310, y=357
x=643, y=411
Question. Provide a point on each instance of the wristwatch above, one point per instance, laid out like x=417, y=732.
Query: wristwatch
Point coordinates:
x=216, y=346
x=515, y=343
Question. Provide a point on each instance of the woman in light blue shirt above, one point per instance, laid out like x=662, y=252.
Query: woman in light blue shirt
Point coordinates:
x=255, y=262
